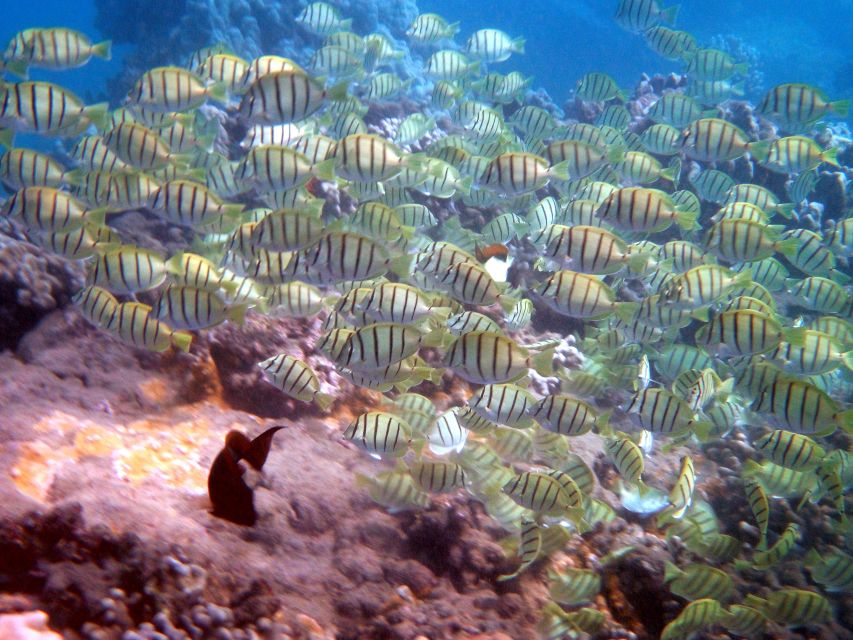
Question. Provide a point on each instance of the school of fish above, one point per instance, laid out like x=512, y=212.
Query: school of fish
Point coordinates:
x=695, y=325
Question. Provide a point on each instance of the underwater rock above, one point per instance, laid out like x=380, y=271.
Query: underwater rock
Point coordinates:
x=31, y=625
x=33, y=282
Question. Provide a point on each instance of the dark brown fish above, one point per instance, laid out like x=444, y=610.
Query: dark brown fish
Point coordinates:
x=231, y=497
x=496, y=250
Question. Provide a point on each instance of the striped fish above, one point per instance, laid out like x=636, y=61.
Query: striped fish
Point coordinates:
x=92, y=153
x=55, y=48
x=449, y=65
x=540, y=492
x=819, y=353
x=643, y=209
x=394, y=490
x=191, y=204
x=283, y=97
x=21, y=168
x=675, y=109
x=529, y=547
x=742, y=332
x=669, y=43
x=505, y=404
x=428, y=28
x=577, y=295
x=591, y=250
x=438, y=477
x=516, y=173
x=793, y=607
x=97, y=305
x=42, y=107
x=183, y=307
x=833, y=571
x=288, y=230
x=626, y=456
x=661, y=411
x=598, y=87
x=296, y=379
x=380, y=434
x=173, y=89
x=681, y=498
x=322, y=19
x=139, y=146
x=820, y=295
x=379, y=345
x=698, y=581
x=716, y=140
x=639, y=15
x=759, y=196
x=51, y=210
x=128, y=269
x=713, y=64
x=568, y=416
x=798, y=406
x=483, y=357
x=795, y=103
x=573, y=586
x=763, y=560
x=225, y=69
x=471, y=321
x=702, y=285
x=493, y=45
x=696, y=616
x=795, y=154
x=135, y=325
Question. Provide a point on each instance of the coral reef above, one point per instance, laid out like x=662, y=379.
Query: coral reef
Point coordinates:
x=168, y=32
x=33, y=282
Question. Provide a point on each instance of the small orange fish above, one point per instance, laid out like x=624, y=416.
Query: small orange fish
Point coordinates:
x=231, y=497
x=496, y=250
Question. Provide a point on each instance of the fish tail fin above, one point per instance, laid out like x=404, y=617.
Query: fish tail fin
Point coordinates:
x=182, y=340
x=738, y=88
x=670, y=174
x=671, y=572
x=786, y=210
x=232, y=210
x=759, y=150
x=788, y=247
x=602, y=422
x=402, y=265
x=812, y=558
x=626, y=311
x=435, y=338
x=845, y=421
x=742, y=68
x=742, y=279
x=346, y=25
x=518, y=45
x=507, y=302
x=830, y=156
x=324, y=170
x=218, y=92
x=7, y=138
x=702, y=314
x=464, y=185
x=669, y=14
x=98, y=114
x=687, y=220
x=615, y=154
x=338, y=92
x=97, y=217
x=559, y=171
x=103, y=50
x=237, y=313
x=452, y=30
x=17, y=67
x=324, y=401
x=543, y=363
x=840, y=108
x=847, y=358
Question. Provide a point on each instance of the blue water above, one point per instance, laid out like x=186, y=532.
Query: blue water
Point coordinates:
x=795, y=41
